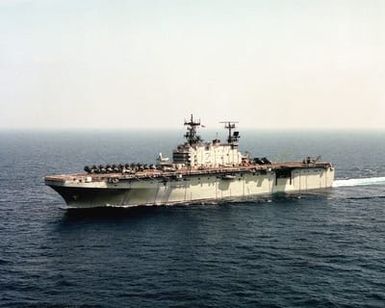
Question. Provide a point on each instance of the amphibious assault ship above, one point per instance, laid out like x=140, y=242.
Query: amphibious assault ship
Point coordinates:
x=198, y=172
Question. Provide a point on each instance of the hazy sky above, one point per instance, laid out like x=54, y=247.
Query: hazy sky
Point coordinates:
x=121, y=64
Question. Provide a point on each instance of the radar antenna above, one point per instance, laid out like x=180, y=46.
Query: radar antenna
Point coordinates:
x=191, y=134
x=232, y=137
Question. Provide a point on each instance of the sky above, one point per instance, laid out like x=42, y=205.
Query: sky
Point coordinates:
x=271, y=64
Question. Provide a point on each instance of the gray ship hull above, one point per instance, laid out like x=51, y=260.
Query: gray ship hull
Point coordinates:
x=189, y=188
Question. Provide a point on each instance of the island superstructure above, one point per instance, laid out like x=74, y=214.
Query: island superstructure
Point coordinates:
x=199, y=171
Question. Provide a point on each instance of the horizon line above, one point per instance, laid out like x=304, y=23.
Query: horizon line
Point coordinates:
x=71, y=129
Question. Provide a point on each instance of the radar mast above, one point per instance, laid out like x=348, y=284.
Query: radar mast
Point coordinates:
x=191, y=134
x=232, y=137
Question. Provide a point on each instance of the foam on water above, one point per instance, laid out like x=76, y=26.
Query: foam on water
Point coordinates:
x=359, y=182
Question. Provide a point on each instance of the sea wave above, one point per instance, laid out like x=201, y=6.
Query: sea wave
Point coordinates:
x=359, y=182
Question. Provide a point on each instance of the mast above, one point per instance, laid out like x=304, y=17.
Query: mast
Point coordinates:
x=191, y=134
x=232, y=137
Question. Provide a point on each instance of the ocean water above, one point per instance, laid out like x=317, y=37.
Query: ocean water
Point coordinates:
x=324, y=249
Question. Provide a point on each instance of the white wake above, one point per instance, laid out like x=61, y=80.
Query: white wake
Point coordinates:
x=359, y=182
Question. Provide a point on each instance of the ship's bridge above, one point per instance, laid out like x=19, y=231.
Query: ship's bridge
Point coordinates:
x=196, y=153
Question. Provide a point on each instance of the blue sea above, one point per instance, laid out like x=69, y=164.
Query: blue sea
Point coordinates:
x=322, y=249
